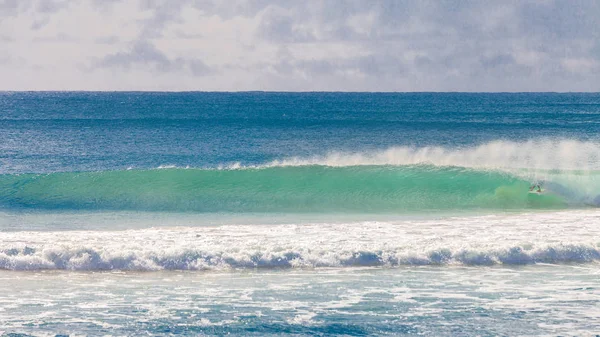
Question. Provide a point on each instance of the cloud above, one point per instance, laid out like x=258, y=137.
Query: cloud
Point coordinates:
x=561, y=19
x=52, y=6
x=9, y=8
x=279, y=26
x=145, y=54
x=38, y=24
x=163, y=13
x=60, y=37
x=372, y=65
x=387, y=45
x=113, y=39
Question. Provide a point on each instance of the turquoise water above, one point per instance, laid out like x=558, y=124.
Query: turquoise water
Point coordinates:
x=304, y=189
x=299, y=213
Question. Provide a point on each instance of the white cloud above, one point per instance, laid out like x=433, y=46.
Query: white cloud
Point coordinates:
x=580, y=65
x=385, y=45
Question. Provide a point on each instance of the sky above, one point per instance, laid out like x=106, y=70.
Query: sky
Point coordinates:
x=300, y=45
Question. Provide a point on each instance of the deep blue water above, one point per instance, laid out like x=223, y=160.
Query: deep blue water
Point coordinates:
x=80, y=131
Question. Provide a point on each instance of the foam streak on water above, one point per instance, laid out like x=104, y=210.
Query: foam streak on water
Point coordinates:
x=432, y=301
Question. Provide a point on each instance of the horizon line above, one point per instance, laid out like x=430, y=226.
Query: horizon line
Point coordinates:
x=300, y=92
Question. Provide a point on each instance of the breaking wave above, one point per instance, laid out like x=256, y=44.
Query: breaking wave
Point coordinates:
x=491, y=176
x=82, y=258
x=541, y=155
x=555, y=237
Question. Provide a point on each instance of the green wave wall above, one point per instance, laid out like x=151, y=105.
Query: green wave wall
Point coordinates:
x=302, y=189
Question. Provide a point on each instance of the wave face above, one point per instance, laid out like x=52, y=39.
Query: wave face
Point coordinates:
x=547, y=237
x=276, y=189
x=495, y=175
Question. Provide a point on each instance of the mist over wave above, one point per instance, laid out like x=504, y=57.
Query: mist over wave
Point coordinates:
x=564, y=154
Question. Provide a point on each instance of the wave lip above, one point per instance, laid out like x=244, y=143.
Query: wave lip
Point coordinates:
x=545, y=154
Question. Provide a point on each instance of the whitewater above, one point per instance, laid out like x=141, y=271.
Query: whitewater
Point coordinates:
x=564, y=237
x=299, y=213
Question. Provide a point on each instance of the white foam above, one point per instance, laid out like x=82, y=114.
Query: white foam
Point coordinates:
x=546, y=154
x=553, y=237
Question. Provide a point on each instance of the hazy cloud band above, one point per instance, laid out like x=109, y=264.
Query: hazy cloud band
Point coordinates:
x=386, y=45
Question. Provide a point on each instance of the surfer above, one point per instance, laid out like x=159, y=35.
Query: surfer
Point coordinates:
x=532, y=188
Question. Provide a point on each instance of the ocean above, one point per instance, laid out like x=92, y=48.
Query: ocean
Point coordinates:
x=266, y=213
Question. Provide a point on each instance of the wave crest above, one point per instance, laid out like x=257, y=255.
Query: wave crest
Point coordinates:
x=533, y=154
